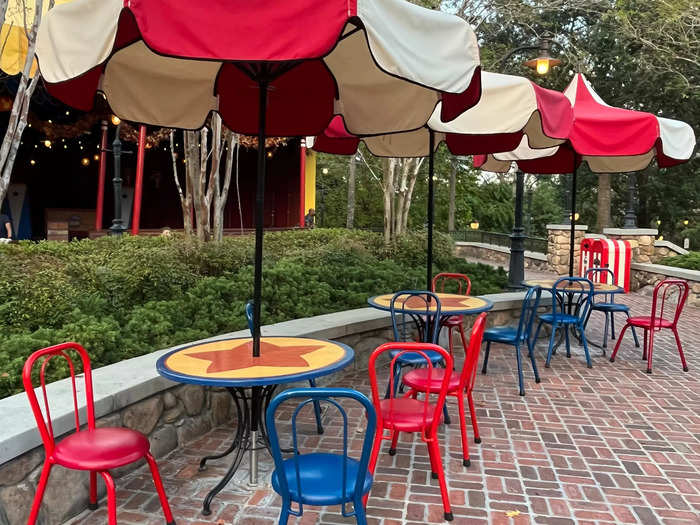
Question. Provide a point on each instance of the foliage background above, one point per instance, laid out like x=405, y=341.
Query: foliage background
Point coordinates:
x=125, y=297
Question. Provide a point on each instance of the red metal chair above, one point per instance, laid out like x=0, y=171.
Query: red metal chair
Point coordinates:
x=424, y=380
x=456, y=283
x=408, y=414
x=97, y=450
x=667, y=288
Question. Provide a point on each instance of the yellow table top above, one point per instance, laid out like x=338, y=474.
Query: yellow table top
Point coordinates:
x=450, y=303
x=230, y=362
x=573, y=287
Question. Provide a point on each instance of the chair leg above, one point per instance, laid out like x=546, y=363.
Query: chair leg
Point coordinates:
x=159, y=488
x=486, y=357
x=317, y=409
x=472, y=413
x=531, y=353
x=650, y=350
x=634, y=334
x=646, y=345
x=619, y=340
x=40, y=489
x=434, y=451
x=360, y=512
x=568, y=343
x=111, y=498
x=464, y=339
x=551, y=343
x=612, y=325
x=518, y=358
x=92, y=504
x=680, y=349
x=589, y=363
x=449, y=340
x=463, y=429
x=284, y=514
x=605, y=331
x=394, y=442
x=537, y=333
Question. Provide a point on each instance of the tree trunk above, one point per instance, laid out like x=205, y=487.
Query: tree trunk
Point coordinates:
x=417, y=163
x=453, y=195
x=351, y=193
x=388, y=191
x=20, y=107
x=604, y=195
x=186, y=197
x=220, y=197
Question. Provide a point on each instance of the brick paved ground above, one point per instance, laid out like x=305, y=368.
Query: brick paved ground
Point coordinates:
x=600, y=446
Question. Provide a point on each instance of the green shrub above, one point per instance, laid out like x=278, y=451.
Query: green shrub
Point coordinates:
x=691, y=261
x=123, y=297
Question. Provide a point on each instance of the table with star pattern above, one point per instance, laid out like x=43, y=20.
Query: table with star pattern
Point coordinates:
x=450, y=304
x=252, y=382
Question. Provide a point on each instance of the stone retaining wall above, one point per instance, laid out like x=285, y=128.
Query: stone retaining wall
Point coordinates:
x=645, y=276
x=169, y=414
x=499, y=255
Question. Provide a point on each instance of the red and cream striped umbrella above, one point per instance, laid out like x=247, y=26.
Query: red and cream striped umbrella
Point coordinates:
x=608, y=139
x=270, y=68
x=511, y=109
x=383, y=64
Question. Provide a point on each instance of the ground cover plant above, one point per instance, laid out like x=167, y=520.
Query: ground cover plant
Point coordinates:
x=126, y=297
x=691, y=261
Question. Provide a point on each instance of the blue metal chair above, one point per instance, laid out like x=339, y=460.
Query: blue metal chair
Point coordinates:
x=517, y=335
x=318, y=478
x=404, y=325
x=607, y=305
x=312, y=382
x=571, y=303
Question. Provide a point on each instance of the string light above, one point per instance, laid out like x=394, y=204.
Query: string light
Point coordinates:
x=67, y=112
x=96, y=156
x=65, y=146
x=85, y=161
x=32, y=162
x=47, y=143
x=116, y=120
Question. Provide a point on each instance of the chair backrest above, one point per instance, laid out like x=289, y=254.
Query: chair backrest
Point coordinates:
x=249, y=307
x=43, y=419
x=417, y=348
x=457, y=283
x=528, y=313
x=422, y=304
x=669, y=294
x=602, y=275
x=329, y=396
x=466, y=378
x=574, y=294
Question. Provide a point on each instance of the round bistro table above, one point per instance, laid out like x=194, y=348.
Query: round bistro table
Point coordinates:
x=450, y=304
x=598, y=289
x=252, y=382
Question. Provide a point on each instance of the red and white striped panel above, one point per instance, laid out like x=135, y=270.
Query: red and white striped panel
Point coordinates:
x=607, y=253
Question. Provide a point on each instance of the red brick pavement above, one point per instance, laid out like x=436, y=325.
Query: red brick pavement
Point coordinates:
x=605, y=445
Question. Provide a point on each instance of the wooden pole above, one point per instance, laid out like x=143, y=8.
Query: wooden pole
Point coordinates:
x=138, y=186
x=99, y=208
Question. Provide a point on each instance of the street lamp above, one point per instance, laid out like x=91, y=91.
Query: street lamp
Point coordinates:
x=542, y=64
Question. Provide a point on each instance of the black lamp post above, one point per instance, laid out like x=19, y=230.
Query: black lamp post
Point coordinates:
x=516, y=271
x=117, y=227
x=631, y=214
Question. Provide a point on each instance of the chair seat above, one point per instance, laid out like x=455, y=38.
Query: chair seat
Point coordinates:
x=416, y=359
x=426, y=380
x=501, y=334
x=645, y=321
x=321, y=479
x=101, y=449
x=407, y=414
x=453, y=320
x=610, y=307
x=561, y=318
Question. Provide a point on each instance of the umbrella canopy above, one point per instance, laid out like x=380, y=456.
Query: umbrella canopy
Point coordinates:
x=608, y=139
x=511, y=109
x=273, y=68
x=383, y=64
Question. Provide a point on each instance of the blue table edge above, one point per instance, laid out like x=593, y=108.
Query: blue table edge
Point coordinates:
x=260, y=381
x=466, y=311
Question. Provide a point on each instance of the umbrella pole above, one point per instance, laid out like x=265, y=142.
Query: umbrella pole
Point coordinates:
x=572, y=240
x=259, y=215
x=431, y=207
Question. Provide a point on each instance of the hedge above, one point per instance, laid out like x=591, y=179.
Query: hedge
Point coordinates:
x=691, y=261
x=123, y=297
